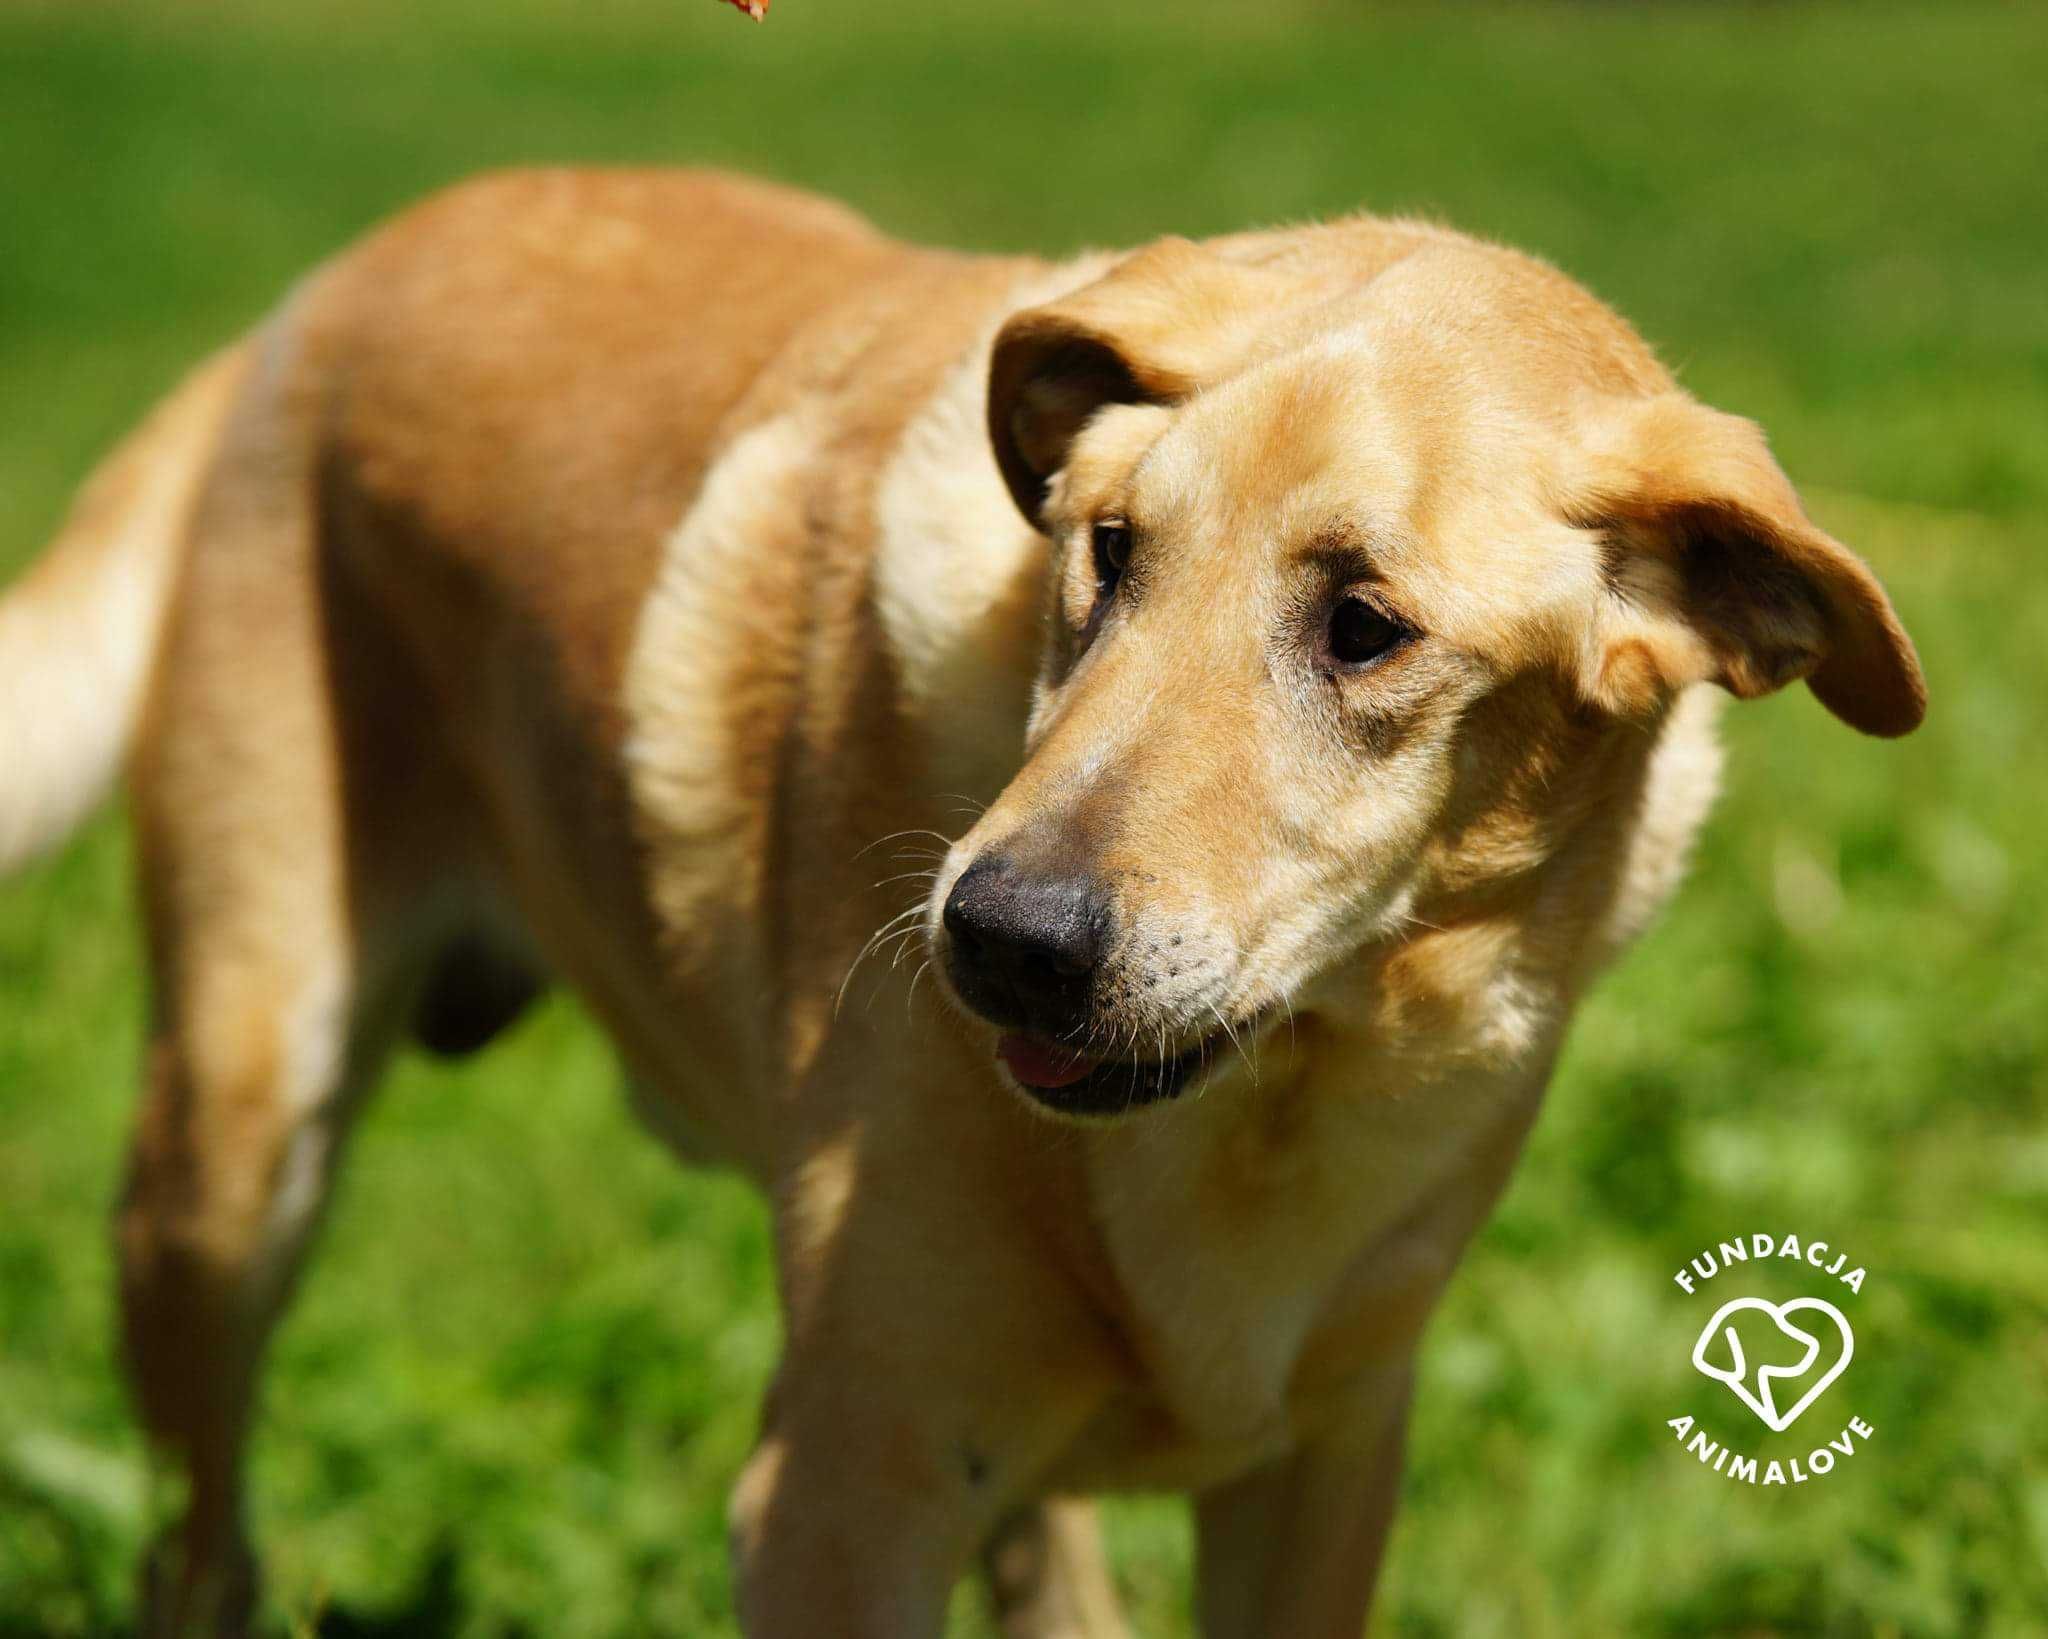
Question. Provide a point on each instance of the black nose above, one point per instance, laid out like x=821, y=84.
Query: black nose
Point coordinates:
x=1025, y=945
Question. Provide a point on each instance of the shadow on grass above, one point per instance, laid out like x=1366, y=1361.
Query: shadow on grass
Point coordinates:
x=434, y=1607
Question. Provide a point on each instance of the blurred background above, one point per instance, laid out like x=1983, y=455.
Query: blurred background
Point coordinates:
x=525, y=1366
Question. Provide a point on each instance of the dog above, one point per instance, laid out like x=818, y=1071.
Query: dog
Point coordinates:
x=1098, y=783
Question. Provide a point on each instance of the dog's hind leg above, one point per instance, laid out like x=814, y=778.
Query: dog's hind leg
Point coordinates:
x=1048, y=1575
x=269, y=901
x=250, y=1079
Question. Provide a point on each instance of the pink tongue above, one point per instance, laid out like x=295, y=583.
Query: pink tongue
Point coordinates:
x=1041, y=1064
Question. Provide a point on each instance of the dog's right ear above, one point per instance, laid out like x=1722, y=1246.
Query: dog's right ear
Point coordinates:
x=1160, y=324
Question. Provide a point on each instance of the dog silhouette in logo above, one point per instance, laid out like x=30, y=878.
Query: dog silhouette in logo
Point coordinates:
x=1754, y=1381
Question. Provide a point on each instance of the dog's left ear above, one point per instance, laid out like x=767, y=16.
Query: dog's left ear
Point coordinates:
x=1714, y=573
x=1164, y=321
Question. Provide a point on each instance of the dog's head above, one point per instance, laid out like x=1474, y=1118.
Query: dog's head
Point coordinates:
x=1359, y=582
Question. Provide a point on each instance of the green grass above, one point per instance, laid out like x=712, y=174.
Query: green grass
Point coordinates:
x=524, y=1369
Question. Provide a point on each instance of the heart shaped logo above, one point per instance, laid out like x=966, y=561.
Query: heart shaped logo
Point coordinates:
x=1761, y=1398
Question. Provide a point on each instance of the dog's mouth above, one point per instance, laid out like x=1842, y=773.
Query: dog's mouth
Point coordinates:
x=1079, y=1084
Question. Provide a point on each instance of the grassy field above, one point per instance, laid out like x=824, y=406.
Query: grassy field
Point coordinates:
x=524, y=1370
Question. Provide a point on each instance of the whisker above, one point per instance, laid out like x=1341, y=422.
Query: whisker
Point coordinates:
x=910, y=996
x=1231, y=1033
x=926, y=875
x=939, y=837
x=874, y=941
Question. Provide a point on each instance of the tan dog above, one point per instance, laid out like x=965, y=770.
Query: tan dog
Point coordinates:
x=599, y=576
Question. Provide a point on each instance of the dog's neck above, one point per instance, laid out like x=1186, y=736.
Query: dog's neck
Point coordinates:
x=1319, y=1206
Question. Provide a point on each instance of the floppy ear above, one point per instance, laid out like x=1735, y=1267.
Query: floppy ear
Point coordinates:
x=1161, y=323
x=1714, y=573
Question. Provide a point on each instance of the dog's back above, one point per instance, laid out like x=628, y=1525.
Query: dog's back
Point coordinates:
x=497, y=373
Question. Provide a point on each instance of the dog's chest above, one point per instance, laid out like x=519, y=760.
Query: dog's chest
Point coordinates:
x=1271, y=1275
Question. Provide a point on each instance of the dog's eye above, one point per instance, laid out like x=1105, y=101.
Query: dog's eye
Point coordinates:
x=1360, y=633
x=1112, y=551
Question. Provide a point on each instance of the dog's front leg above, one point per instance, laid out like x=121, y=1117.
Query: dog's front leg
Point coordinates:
x=847, y=1521
x=1292, y=1550
x=1048, y=1575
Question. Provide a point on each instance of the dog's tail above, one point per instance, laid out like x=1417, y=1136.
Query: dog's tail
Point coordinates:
x=79, y=629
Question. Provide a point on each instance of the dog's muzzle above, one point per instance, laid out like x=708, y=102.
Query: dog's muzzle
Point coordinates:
x=1025, y=946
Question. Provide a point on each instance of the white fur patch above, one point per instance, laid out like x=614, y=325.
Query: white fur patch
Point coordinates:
x=1682, y=781
x=313, y=1098
x=957, y=567
x=700, y=623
